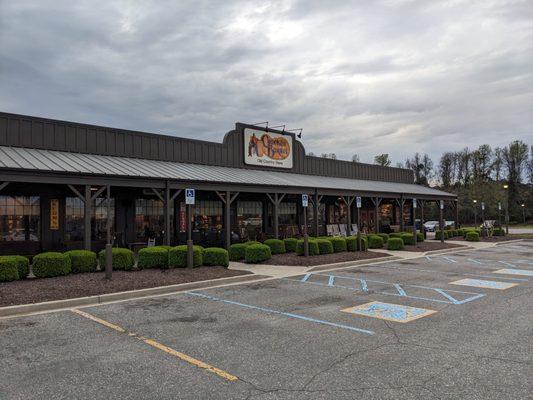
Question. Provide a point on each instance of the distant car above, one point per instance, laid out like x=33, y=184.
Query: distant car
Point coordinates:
x=431, y=226
x=448, y=224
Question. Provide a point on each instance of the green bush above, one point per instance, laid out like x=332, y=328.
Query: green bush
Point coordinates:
x=9, y=270
x=351, y=243
x=375, y=242
x=324, y=246
x=339, y=244
x=216, y=256
x=276, y=246
x=290, y=244
x=439, y=234
x=256, y=253
x=419, y=237
x=313, y=247
x=236, y=251
x=395, y=243
x=82, y=260
x=477, y=230
x=51, y=264
x=460, y=232
x=384, y=236
x=153, y=257
x=472, y=236
x=498, y=232
x=249, y=242
x=177, y=256
x=395, y=235
x=122, y=259
x=23, y=264
x=408, y=239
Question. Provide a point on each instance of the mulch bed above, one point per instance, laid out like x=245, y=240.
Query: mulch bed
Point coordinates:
x=90, y=284
x=292, y=259
x=431, y=245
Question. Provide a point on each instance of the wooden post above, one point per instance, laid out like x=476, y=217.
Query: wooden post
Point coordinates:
x=167, y=214
x=108, y=246
x=87, y=218
x=377, y=202
x=228, y=219
x=402, y=224
x=316, y=205
x=348, y=201
x=422, y=227
x=276, y=216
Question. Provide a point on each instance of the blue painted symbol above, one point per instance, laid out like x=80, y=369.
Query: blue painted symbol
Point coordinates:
x=390, y=312
x=484, y=284
x=189, y=196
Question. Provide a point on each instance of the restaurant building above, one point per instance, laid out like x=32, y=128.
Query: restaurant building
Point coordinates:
x=66, y=185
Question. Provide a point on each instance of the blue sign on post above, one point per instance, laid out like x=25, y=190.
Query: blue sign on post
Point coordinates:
x=358, y=201
x=414, y=203
x=305, y=200
x=189, y=196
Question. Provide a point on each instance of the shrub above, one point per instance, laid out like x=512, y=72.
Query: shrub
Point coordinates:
x=395, y=243
x=351, y=243
x=249, y=242
x=439, y=234
x=498, y=232
x=153, y=257
x=384, y=236
x=51, y=264
x=276, y=246
x=256, y=253
x=82, y=260
x=472, y=236
x=236, y=251
x=408, y=239
x=123, y=259
x=375, y=242
x=460, y=232
x=419, y=237
x=313, y=247
x=478, y=231
x=339, y=244
x=290, y=244
x=9, y=270
x=23, y=264
x=177, y=256
x=216, y=256
x=324, y=246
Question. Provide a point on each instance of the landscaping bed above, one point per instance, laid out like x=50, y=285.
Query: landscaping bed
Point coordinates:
x=499, y=238
x=430, y=246
x=292, y=259
x=90, y=284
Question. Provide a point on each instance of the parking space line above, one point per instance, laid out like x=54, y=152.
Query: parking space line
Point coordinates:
x=512, y=271
x=159, y=346
x=277, y=312
x=508, y=264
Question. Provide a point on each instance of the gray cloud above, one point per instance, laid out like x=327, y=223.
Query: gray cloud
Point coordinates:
x=394, y=76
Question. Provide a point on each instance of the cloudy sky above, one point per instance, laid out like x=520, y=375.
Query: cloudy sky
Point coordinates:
x=362, y=77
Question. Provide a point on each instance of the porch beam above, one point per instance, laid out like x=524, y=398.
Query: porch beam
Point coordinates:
x=98, y=193
x=77, y=193
x=3, y=185
x=87, y=217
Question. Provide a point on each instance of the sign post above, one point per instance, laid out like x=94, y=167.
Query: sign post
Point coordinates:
x=441, y=221
x=483, y=229
x=358, y=204
x=305, y=203
x=189, y=201
x=414, y=221
x=500, y=214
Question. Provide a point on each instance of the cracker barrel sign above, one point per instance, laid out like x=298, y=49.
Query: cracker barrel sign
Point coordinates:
x=267, y=149
x=54, y=214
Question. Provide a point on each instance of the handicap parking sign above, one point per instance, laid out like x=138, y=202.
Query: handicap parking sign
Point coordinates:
x=358, y=201
x=414, y=203
x=189, y=196
x=305, y=200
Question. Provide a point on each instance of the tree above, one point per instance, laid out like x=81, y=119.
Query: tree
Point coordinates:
x=463, y=166
x=383, y=160
x=311, y=154
x=446, y=173
x=515, y=157
x=355, y=158
x=497, y=164
x=422, y=166
x=530, y=165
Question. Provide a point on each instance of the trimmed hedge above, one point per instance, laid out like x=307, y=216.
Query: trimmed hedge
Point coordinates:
x=82, y=260
x=122, y=259
x=8, y=269
x=216, y=256
x=420, y=237
x=313, y=247
x=51, y=264
x=466, y=230
x=439, y=234
x=384, y=236
x=395, y=243
x=249, y=242
x=276, y=246
x=339, y=244
x=408, y=239
x=353, y=245
x=395, y=235
x=236, y=251
x=290, y=244
x=177, y=256
x=256, y=253
x=375, y=242
x=324, y=246
x=153, y=257
x=472, y=236
x=498, y=232
x=23, y=264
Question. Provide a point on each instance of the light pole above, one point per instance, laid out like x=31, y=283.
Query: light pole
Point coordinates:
x=475, y=212
x=523, y=212
x=506, y=188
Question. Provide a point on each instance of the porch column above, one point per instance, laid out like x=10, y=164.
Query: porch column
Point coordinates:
x=401, y=203
x=276, y=201
x=227, y=198
x=349, y=201
x=422, y=228
x=167, y=213
x=377, y=203
x=87, y=218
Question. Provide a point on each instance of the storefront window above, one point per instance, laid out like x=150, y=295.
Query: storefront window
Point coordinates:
x=208, y=216
x=150, y=218
x=249, y=218
x=74, y=218
x=19, y=218
x=337, y=213
x=287, y=214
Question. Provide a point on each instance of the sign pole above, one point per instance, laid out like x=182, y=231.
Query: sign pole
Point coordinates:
x=189, y=200
x=414, y=220
x=441, y=221
x=305, y=203
x=358, y=203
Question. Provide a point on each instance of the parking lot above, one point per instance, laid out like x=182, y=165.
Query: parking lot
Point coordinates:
x=453, y=326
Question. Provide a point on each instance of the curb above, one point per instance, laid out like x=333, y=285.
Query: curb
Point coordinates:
x=353, y=263
x=451, y=250
x=513, y=241
x=55, y=305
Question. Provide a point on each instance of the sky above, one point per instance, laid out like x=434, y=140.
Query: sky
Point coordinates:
x=364, y=77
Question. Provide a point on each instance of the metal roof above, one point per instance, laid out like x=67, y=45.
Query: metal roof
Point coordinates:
x=28, y=159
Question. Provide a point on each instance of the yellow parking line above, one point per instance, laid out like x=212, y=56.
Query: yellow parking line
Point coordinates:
x=159, y=346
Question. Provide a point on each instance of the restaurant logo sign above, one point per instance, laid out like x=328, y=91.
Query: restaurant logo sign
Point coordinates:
x=267, y=149
x=54, y=214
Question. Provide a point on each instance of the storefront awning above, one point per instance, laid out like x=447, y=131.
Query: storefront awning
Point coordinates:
x=42, y=161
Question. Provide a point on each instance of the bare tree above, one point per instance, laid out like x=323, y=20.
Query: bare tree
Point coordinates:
x=422, y=166
x=383, y=160
x=446, y=173
x=311, y=154
x=515, y=157
x=355, y=158
x=497, y=163
x=530, y=165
